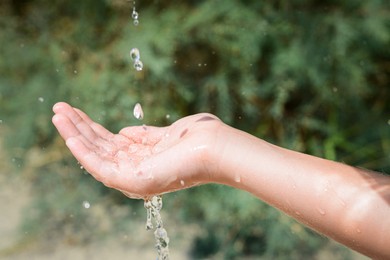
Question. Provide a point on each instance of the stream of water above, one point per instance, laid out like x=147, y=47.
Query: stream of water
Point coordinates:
x=154, y=204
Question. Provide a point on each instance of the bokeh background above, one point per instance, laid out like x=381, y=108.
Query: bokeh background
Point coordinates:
x=312, y=76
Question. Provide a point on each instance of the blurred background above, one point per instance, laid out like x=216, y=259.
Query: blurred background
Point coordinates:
x=312, y=76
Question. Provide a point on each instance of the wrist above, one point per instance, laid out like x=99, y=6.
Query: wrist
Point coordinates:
x=233, y=153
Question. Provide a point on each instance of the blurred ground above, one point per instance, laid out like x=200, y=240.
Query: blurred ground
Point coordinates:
x=136, y=244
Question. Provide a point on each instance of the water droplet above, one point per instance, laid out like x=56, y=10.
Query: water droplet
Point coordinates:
x=167, y=116
x=1, y=121
x=86, y=204
x=182, y=183
x=75, y=71
x=138, y=112
x=388, y=122
x=138, y=65
x=237, y=178
x=321, y=211
x=134, y=15
x=136, y=22
x=358, y=231
x=41, y=99
x=134, y=54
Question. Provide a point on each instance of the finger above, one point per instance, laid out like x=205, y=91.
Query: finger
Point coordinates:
x=64, y=126
x=99, y=129
x=82, y=126
x=67, y=130
x=99, y=167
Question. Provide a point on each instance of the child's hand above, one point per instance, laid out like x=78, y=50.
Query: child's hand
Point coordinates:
x=141, y=161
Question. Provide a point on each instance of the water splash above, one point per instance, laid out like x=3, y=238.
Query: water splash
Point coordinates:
x=153, y=207
x=148, y=207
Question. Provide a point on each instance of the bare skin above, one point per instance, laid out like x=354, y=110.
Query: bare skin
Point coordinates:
x=345, y=203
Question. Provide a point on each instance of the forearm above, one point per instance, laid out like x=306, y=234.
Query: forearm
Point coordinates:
x=339, y=201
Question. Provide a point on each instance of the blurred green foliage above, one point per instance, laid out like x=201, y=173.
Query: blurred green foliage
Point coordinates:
x=307, y=75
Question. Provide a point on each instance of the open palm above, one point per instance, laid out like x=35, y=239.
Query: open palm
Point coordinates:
x=140, y=161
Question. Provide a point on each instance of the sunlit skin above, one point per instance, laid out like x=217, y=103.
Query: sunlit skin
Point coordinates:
x=348, y=204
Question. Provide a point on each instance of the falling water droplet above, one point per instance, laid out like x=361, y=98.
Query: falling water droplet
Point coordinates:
x=138, y=65
x=134, y=14
x=237, y=178
x=41, y=99
x=134, y=54
x=138, y=112
x=86, y=204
